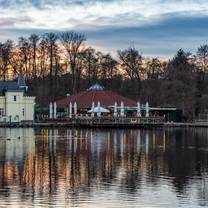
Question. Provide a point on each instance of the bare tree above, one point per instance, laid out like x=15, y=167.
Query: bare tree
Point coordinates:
x=131, y=62
x=155, y=68
x=25, y=53
x=34, y=44
x=15, y=63
x=52, y=49
x=89, y=59
x=202, y=54
x=107, y=67
x=42, y=57
x=5, y=55
x=73, y=43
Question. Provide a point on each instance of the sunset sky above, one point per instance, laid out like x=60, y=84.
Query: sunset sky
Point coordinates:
x=155, y=27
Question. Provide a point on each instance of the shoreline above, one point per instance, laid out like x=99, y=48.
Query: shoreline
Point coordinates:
x=101, y=125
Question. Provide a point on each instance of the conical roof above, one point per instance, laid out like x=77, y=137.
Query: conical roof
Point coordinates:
x=21, y=80
x=94, y=94
x=96, y=87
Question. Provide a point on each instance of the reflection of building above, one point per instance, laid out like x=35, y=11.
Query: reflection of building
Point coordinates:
x=20, y=143
x=15, y=105
x=69, y=158
x=66, y=161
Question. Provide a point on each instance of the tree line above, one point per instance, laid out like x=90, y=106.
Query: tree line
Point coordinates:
x=57, y=64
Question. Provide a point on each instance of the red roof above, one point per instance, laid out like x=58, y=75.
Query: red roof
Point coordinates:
x=85, y=98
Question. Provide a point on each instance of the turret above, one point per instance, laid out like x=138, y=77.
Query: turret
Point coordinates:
x=21, y=82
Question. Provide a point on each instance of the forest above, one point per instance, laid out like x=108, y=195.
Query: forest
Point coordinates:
x=57, y=64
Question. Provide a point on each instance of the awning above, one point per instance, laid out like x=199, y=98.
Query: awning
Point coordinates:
x=99, y=109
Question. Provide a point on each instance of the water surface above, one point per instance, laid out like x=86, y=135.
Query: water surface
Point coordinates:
x=103, y=168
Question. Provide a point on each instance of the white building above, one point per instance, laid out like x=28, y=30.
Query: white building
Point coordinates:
x=15, y=105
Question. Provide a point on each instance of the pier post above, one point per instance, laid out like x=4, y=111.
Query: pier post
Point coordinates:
x=54, y=110
x=93, y=107
x=50, y=110
x=75, y=109
x=115, y=110
x=147, y=109
x=99, y=112
x=138, y=109
x=70, y=110
x=122, y=109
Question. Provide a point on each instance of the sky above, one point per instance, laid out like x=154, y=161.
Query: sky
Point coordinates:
x=157, y=28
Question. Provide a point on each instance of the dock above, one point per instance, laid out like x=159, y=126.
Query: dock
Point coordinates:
x=202, y=124
x=106, y=122
x=88, y=122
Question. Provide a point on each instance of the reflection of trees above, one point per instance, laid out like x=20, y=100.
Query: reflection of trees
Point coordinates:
x=185, y=159
x=67, y=161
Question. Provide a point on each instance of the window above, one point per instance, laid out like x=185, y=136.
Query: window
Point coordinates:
x=1, y=112
x=23, y=111
x=15, y=98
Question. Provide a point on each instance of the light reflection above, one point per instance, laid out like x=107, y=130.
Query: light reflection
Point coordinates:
x=146, y=142
x=164, y=141
x=64, y=163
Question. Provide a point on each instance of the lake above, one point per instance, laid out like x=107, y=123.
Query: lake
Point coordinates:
x=103, y=168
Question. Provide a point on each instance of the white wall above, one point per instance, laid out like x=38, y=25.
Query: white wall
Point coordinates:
x=2, y=106
x=29, y=104
x=14, y=109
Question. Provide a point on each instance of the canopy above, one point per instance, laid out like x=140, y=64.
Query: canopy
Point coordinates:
x=99, y=109
x=94, y=94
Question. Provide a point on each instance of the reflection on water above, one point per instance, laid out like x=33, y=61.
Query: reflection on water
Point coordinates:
x=103, y=168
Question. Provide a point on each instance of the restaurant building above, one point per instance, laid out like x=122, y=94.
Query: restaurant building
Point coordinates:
x=94, y=99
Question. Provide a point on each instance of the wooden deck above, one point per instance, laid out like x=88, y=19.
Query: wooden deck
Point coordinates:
x=193, y=124
x=118, y=122
x=94, y=122
x=106, y=122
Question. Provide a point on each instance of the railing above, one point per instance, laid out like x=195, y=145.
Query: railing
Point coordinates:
x=110, y=121
x=200, y=120
x=119, y=120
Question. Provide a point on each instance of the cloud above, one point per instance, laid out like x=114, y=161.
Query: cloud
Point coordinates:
x=91, y=13
x=154, y=26
x=162, y=39
x=7, y=22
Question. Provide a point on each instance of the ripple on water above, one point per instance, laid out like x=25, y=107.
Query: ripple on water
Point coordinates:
x=104, y=168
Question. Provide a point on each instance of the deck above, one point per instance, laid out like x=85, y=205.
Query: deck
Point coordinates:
x=89, y=122
x=106, y=122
